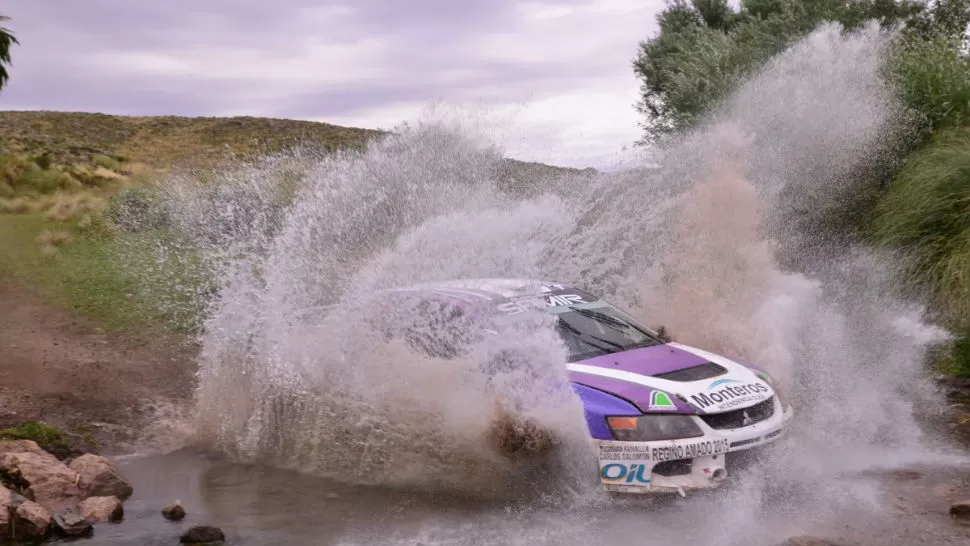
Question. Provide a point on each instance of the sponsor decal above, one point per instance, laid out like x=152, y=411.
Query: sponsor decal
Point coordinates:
x=544, y=301
x=634, y=474
x=728, y=393
x=660, y=401
x=689, y=451
x=624, y=453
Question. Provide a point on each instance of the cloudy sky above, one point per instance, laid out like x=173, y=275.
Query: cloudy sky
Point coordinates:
x=550, y=80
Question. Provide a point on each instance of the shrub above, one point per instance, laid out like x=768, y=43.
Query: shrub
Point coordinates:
x=38, y=431
x=925, y=214
x=109, y=163
x=35, y=179
x=932, y=77
x=43, y=161
x=136, y=209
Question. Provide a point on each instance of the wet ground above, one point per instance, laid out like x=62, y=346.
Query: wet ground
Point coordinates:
x=264, y=506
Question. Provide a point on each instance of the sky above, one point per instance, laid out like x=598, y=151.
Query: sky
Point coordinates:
x=548, y=80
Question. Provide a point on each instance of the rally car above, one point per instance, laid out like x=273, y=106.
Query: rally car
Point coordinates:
x=663, y=416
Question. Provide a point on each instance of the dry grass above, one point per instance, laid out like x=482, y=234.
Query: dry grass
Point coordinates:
x=113, y=142
x=17, y=205
x=54, y=238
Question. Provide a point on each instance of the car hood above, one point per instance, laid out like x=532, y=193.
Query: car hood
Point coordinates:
x=690, y=381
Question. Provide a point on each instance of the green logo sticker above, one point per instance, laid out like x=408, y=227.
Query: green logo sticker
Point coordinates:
x=659, y=400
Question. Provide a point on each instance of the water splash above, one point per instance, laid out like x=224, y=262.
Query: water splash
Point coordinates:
x=728, y=246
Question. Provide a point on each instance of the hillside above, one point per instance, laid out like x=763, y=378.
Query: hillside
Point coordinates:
x=160, y=142
x=62, y=172
x=101, y=151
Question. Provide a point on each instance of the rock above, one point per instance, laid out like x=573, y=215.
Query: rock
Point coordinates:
x=30, y=521
x=20, y=446
x=174, y=512
x=100, y=478
x=202, y=534
x=102, y=509
x=71, y=523
x=961, y=510
x=43, y=478
x=9, y=501
x=808, y=541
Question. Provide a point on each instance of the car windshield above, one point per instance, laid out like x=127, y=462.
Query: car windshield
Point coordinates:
x=596, y=329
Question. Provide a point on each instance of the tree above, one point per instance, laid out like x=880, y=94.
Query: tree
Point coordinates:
x=7, y=39
x=705, y=48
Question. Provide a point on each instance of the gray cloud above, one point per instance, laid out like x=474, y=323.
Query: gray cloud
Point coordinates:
x=293, y=58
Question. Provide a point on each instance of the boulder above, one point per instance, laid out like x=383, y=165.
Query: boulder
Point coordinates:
x=20, y=446
x=9, y=501
x=961, y=510
x=101, y=509
x=203, y=534
x=174, y=512
x=31, y=521
x=43, y=478
x=71, y=523
x=100, y=478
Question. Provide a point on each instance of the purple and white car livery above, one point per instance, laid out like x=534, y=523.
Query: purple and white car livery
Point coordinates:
x=663, y=416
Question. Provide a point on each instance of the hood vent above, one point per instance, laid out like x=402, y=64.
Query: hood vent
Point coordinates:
x=694, y=373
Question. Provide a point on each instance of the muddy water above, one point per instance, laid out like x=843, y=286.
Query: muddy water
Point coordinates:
x=257, y=505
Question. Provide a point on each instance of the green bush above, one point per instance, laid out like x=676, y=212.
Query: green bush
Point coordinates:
x=956, y=362
x=932, y=76
x=38, y=431
x=136, y=209
x=925, y=213
x=109, y=163
x=43, y=161
x=35, y=179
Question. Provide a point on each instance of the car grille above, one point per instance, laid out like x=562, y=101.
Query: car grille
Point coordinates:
x=736, y=418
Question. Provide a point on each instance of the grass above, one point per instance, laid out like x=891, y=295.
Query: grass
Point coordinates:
x=118, y=280
x=60, y=171
x=72, y=138
x=926, y=213
x=38, y=431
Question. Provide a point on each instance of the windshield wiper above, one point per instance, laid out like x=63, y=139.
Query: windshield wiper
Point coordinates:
x=610, y=320
x=582, y=335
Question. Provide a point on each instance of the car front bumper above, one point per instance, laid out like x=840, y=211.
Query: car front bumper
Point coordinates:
x=678, y=466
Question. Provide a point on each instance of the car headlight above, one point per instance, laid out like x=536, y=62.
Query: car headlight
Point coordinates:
x=649, y=428
x=763, y=375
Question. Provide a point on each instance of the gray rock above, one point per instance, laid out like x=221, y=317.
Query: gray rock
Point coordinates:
x=9, y=501
x=961, y=510
x=72, y=524
x=174, y=512
x=203, y=534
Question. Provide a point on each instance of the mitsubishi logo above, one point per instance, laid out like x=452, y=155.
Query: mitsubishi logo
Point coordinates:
x=747, y=420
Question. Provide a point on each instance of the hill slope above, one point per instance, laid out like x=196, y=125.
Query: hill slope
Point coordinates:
x=73, y=137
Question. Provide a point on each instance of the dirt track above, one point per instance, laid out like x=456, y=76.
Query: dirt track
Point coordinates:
x=62, y=368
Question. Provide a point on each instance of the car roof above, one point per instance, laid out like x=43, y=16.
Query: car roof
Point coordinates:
x=482, y=290
x=472, y=292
